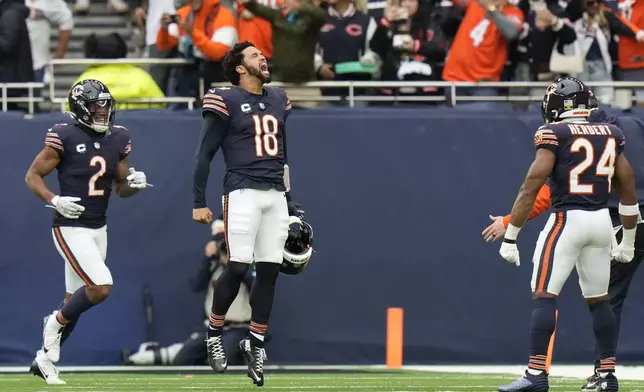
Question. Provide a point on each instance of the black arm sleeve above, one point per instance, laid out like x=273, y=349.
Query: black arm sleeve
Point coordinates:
x=284, y=145
x=212, y=135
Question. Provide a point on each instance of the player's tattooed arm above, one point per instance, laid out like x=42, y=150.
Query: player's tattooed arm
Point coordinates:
x=46, y=161
x=120, y=180
x=538, y=173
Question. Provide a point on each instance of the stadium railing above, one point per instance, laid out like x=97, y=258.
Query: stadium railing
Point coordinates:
x=451, y=97
x=133, y=61
x=30, y=99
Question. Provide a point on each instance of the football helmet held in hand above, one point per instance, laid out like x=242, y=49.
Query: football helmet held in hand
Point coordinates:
x=298, y=247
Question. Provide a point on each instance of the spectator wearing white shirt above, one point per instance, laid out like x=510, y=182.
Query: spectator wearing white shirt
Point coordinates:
x=43, y=16
x=151, y=19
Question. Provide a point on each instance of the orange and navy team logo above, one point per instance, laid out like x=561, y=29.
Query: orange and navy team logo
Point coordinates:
x=77, y=91
x=545, y=136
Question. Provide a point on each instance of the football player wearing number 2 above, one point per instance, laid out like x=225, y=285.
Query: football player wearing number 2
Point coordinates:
x=247, y=122
x=583, y=160
x=91, y=156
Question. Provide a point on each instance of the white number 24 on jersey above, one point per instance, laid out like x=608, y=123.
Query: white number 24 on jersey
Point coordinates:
x=604, y=167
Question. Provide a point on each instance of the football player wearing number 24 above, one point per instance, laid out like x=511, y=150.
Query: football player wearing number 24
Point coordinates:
x=584, y=161
x=247, y=120
x=91, y=157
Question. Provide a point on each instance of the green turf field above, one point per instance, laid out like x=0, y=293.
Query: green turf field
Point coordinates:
x=401, y=381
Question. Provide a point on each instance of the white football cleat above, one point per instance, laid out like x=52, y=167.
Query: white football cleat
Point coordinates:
x=52, y=332
x=48, y=370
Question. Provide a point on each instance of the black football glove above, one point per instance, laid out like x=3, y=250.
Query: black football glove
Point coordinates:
x=294, y=208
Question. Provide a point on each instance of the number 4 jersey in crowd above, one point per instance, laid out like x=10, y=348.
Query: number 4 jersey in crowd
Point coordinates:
x=254, y=143
x=479, y=51
x=87, y=168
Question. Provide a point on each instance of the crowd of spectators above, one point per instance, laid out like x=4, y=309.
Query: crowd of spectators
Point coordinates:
x=337, y=40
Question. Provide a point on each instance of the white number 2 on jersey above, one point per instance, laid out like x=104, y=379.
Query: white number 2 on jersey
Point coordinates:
x=605, y=166
x=102, y=168
x=478, y=32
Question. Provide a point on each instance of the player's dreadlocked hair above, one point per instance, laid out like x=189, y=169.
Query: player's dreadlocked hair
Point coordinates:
x=233, y=59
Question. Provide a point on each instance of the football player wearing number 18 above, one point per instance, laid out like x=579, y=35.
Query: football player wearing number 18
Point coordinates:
x=584, y=160
x=91, y=156
x=247, y=122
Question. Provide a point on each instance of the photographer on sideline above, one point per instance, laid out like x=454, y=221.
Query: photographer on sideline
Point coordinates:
x=192, y=352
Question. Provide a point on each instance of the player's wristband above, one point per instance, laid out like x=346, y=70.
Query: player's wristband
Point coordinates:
x=512, y=232
x=629, y=210
x=628, y=237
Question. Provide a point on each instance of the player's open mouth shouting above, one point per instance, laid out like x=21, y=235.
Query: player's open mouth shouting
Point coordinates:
x=263, y=67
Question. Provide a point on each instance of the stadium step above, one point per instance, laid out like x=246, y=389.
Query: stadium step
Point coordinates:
x=91, y=21
x=98, y=21
x=83, y=32
x=77, y=46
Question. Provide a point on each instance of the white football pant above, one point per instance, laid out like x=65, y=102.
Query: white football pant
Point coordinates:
x=256, y=225
x=84, y=251
x=570, y=239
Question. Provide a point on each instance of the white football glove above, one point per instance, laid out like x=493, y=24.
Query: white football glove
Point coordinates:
x=67, y=207
x=510, y=252
x=623, y=253
x=137, y=180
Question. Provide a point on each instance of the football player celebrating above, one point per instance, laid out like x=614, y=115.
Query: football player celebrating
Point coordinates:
x=91, y=156
x=247, y=121
x=584, y=161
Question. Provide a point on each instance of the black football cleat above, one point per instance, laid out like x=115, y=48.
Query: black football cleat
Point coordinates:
x=216, y=354
x=528, y=383
x=591, y=384
x=254, y=357
x=607, y=383
x=35, y=370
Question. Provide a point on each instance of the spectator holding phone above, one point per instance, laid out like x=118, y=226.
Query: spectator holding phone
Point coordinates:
x=202, y=31
x=147, y=19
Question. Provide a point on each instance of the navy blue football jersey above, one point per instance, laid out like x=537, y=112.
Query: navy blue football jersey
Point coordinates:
x=87, y=168
x=585, y=162
x=253, y=145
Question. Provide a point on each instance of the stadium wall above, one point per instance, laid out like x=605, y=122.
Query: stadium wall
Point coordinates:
x=398, y=199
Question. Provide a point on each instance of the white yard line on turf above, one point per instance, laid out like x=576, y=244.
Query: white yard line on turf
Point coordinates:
x=571, y=371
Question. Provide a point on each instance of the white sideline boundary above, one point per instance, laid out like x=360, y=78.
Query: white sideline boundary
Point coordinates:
x=569, y=371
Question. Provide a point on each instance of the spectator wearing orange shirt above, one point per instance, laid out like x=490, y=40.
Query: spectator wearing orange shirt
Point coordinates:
x=630, y=50
x=254, y=29
x=204, y=32
x=480, y=48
